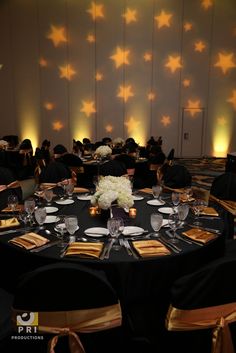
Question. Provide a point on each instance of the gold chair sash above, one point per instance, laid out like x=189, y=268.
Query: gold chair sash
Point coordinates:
x=217, y=317
x=70, y=323
x=44, y=186
x=13, y=185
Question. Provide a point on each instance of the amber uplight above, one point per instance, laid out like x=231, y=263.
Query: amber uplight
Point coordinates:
x=132, y=124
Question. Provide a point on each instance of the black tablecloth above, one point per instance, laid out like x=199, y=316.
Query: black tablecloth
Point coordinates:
x=142, y=284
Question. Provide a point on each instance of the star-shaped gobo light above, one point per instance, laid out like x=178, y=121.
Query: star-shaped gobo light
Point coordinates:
x=163, y=20
x=132, y=124
x=165, y=120
x=173, y=63
x=206, y=4
x=96, y=11
x=125, y=92
x=57, y=35
x=120, y=57
x=57, y=125
x=193, y=107
x=130, y=15
x=225, y=62
x=199, y=46
x=109, y=128
x=67, y=72
x=232, y=99
x=88, y=108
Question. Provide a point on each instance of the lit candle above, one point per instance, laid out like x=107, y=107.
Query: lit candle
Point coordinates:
x=92, y=211
x=132, y=212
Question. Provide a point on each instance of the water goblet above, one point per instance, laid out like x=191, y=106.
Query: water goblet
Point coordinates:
x=174, y=223
x=12, y=202
x=156, y=191
x=40, y=216
x=71, y=223
x=113, y=226
x=156, y=220
x=29, y=206
x=48, y=194
x=61, y=230
x=69, y=190
x=198, y=206
x=183, y=210
x=175, y=197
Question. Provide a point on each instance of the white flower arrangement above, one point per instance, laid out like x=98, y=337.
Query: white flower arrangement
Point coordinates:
x=118, y=141
x=113, y=189
x=3, y=144
x=103, y=151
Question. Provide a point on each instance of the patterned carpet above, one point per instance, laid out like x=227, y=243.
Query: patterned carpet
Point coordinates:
x=203, y=170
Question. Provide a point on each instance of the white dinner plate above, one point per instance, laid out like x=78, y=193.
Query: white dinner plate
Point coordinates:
x=51, y=209
x=166, y=210
x=156, y=202
x=84, y=197
x=137, y=198
x=165, y=223
x=64, y=202
x=62, y=225
x=51, y=219
x=133, y=230
x=96, y=232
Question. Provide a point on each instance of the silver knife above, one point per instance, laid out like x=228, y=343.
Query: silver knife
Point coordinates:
x=129, y=249
x=107, y=254
x=18, y=230
x=174, y=247
x=46, y=246
x=216, y=231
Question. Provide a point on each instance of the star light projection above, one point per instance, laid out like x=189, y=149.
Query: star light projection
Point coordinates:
x=225, y=62
x=232, y=99
x=120, y=57
x=163, y=20
x=57, y=35
x=130, y=16
x=125, y=92
x=221, y=121
x=96, y=11
x=193, y=107
x=88, y=108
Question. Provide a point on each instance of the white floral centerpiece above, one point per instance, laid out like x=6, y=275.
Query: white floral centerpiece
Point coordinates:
x=103, y=151
x=113, y=190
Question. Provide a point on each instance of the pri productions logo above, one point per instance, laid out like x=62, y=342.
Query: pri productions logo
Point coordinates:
x=27, y=322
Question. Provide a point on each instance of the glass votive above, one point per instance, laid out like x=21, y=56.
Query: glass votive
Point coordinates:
x=93, y=211
x=132, y=212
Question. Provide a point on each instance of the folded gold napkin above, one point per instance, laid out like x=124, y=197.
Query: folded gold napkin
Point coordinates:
x=209, y=211
x=82, y=190
x=184, y=198
x=200, y=235
x=84, y=249
x=148, y=248
x=29, y=241
x=146, y=190
x=10, y=222
x=19, y=208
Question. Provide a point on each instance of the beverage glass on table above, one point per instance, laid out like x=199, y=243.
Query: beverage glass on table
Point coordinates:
x=40, y=215
x=115, y=227
x=29, y=206
x=48, y=194
x=156, y=191
x=12, y=202
x=174, y=223
x=156, y=220
x=183, y=210
x=71, y=223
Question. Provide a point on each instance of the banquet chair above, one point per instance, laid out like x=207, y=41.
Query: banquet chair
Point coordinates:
x=76, y=307
x=202, y=313
x=170, y=156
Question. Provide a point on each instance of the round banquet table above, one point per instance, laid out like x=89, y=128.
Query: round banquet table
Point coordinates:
x=142, y=284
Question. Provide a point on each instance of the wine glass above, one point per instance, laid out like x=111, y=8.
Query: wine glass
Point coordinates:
x=40, y=216
x=71, y=223
x=113, y=225
x=120, y=231
x=156, y=223
x=48, y=194
x=12, y=202
x=174, y=223
x=156, y=191
x=61, y=230
x=29, y=206
x=183, y=210
x=198, y=206
x=69, y=190
x=175, y=197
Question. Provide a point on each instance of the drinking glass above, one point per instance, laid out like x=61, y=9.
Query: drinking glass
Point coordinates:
x=12, y=202
x=29, y=206
x=198, y=206
x=156, y=223
x=69, y=190
x=175, y=197
x=40, y=216
x=61, y=230
x=183, y=210
x=71, y=223
x=48, y=194
x=156, y=191
x=174, y=223
x=113, y=225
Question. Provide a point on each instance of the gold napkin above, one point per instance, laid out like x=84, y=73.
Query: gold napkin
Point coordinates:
x=80, y=190
x=84, y=249
x=200, y=235
x=10, y=222
x=148, y=248
x=184, y=198
x=146, y=190
x=19, y=208
x=209, y=211
x=29, y=241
